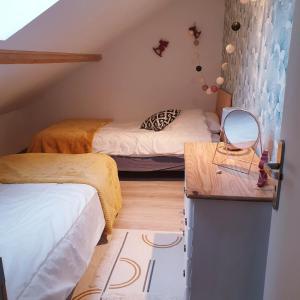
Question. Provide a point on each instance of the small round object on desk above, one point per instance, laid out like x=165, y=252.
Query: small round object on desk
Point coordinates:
x=198, y=68
x=236, y=26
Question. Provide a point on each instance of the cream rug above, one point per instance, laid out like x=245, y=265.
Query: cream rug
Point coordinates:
x=135, y=265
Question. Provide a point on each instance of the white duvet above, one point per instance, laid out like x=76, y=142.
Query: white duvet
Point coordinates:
x=127, y=139
x=47, y=237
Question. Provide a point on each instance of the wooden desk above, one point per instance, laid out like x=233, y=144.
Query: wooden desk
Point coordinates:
x=204, y=182
x=227, y=223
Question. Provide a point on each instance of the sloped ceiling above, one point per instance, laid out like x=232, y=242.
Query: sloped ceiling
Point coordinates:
x=68, y=26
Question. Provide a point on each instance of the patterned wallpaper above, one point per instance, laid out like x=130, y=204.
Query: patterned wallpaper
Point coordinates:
x=257, y=69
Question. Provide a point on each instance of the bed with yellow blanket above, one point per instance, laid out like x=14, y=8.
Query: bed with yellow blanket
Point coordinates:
x=94, y=169
x=69, y=136
x=53, y=210
x=134, y=149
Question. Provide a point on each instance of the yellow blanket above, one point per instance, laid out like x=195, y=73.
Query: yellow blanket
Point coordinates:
x=69, y=136
x=96, y=170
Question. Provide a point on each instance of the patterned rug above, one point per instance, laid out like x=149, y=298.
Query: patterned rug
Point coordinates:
x=135, y=265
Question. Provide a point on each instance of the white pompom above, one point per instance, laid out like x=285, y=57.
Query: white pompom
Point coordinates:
x=220, y=80
x=209, y=91
x=230, y=48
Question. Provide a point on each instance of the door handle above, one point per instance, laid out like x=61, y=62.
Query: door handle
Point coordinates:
x=275, y=170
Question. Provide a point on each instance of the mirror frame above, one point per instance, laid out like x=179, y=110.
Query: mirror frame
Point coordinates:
x=225, y=144
x=258, y=139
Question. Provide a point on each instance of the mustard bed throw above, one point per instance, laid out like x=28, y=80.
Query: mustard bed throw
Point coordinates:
x=69, y=136
x=97, y=170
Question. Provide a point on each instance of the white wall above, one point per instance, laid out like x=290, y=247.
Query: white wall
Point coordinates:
x=283, y=266
x=131, y=81
x=16, y=129
x=70, y=26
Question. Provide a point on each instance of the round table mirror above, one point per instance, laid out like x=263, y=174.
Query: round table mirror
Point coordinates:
x=241, y=129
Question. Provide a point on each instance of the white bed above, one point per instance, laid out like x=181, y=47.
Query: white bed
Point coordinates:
x=127, y=139
x=48, y=233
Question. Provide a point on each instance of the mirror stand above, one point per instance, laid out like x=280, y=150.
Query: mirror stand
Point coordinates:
x=235, y=159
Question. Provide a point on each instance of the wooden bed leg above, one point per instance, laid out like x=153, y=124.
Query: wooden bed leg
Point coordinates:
x=3, y=294
x=103, y=239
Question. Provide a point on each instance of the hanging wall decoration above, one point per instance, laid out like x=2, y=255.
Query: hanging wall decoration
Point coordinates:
x=236, y=26
x=224, y=66
x=220, y=80
x=230, y=48
x=163, y=44
x=209, y=90
x=196, y=33
x=193, y=30
x=198, y=68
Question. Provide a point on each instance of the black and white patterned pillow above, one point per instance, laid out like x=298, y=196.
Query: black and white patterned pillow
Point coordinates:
x=160, y=120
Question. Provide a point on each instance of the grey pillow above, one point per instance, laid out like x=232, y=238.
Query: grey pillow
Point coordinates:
x=160, y=120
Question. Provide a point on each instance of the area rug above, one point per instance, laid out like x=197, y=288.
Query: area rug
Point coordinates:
x=136, y=265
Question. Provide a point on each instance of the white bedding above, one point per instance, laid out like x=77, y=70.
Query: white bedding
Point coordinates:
x=127, y=139
x=47, y=237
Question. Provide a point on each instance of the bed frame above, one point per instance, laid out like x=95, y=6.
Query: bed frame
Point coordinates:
x=161, y=164
x=149, y=164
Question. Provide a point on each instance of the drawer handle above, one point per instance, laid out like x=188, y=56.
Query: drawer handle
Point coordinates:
x=183, y=233
x=185, y=221
x=183, y=273
x=184, y=248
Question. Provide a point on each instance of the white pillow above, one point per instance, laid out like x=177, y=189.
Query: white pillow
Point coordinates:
x=213, y=122
x=188, y=118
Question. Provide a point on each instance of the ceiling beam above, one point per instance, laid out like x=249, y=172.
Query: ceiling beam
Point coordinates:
x=43, y=57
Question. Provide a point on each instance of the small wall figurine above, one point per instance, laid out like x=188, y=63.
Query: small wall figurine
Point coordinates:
x=163, y=44
x=193, y=30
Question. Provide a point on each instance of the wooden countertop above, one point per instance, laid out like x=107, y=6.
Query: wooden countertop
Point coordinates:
x=204, y=182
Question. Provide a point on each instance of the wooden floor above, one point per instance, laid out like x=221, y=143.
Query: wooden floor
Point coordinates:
x=152, y=205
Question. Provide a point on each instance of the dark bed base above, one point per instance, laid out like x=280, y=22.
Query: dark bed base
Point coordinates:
x=152, y=176
x=150, y=164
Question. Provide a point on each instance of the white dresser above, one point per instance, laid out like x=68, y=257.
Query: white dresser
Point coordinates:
x=227, y=223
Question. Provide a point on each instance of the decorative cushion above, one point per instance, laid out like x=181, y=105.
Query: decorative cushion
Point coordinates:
x=160, y=120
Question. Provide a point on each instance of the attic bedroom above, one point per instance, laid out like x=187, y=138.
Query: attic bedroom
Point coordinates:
x=147, y=149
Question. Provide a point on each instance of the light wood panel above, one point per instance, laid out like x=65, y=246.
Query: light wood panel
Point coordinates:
x=203, y=180
x=224, y=100
x=43, y=57
x=152, y=205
